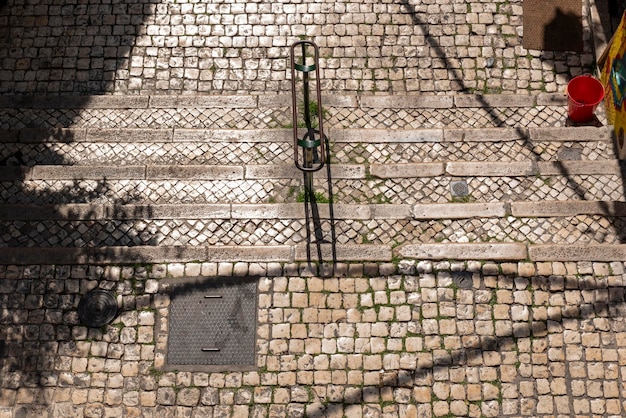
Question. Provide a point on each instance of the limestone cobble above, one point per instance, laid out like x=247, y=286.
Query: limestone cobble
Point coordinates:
x=228, y=47
x=512, y=344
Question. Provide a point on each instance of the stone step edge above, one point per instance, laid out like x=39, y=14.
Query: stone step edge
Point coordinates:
x=282, y=135
x=330, y=254
x=429, y=211
x=396, y=101
x=337, y=171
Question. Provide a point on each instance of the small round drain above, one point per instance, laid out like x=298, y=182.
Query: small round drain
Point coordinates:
x=463, y=279
x=459, y=188
x=97, y=308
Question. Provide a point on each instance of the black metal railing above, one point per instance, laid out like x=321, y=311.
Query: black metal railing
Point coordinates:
x=310, y=150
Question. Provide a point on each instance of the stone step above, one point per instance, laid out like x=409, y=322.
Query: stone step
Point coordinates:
x=263, y=257
x=282, y=184
x=81, y=192
x=93, y=225
x=373, y=146
x=398, y=111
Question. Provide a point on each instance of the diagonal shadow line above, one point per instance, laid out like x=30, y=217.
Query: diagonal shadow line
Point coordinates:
x=613, y=307
x=490, y=343
x=571, y=182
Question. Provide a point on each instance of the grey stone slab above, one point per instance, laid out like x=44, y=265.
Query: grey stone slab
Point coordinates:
x=146, y=254
x=9, y=135
x=551, y=99
x=567, y=208
x=180, y=211
x=252, y=254
x=15, y=173
x=484, y=135
x=407, y=102
x=129, y=135
x=256, y=172
x=459, y=210
x=340, y=100
x=390, y=211
x=409, y=170
x=268, y=211
x=570, y=134
x=194, y=172
x=233, y=135
x=273, y=101
x=568, y=168
x=464, y=251
x=380, y=136
x=91, y=102
x=48, y=256
x=494, y=100
x=36, y=135
x=60, y=102
x=73, y=172
x=344, y=171
x=492, y=169
x=67, y=212
x=344, y=211
x=341, y=171
x=578, y=252
x=297, y=211
x=16, y=101
x=344, y=252
x=102, y=255
x=204, y=101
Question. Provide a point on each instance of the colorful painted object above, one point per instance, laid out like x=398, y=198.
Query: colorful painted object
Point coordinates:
x=612, y=63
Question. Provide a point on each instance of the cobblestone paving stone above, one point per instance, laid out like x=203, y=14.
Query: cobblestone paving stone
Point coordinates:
x=451, y=118
x=407, y=339
x=215, y=153
x=392, y=191
x=214, y=47
x=198, y=232
x=220, y=153
x=417, y=339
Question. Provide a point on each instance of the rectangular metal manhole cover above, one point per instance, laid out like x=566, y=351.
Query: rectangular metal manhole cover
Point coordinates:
x=212, y=321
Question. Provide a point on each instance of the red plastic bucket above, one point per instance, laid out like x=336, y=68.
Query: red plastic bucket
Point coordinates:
x=584, y=93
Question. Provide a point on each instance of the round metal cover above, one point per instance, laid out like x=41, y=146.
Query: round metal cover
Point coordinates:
x=459, y=188
x=97, y=308
x=464, y=279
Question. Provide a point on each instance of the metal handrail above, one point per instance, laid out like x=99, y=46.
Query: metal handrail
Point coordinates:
x=313, y=142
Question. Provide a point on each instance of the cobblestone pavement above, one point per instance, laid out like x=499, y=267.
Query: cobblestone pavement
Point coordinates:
x=103, y=102
x=417, y=339
x=336, y=117
x=214, y=47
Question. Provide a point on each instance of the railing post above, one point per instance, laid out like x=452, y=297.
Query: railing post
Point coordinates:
x=312, y=156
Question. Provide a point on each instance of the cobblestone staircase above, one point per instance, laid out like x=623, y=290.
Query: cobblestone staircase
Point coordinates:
x=176, y=178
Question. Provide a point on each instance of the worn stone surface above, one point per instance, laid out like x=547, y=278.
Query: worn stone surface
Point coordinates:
x=459, y=251
x=354, y=342
x=143, y=143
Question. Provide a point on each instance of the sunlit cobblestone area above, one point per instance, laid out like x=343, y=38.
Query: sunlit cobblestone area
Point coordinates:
x=234, y=46
x=409, y=339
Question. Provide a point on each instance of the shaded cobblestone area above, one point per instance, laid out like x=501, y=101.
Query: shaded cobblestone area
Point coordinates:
x=375, y=191
x=214, y=47
x=412, y=339
x=200, y=232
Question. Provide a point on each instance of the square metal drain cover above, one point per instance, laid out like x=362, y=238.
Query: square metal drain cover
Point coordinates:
x=212, y=322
